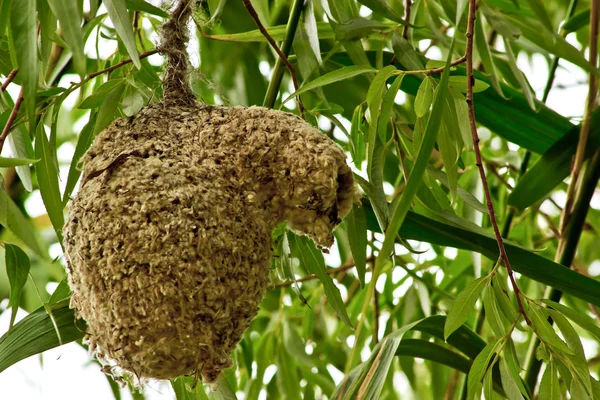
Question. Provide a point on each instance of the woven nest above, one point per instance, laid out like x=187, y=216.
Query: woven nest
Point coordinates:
x=168, y=241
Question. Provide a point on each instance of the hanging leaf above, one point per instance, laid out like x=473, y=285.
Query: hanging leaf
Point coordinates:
x=356, y=226
x=17, y=269
x=117, y=11
x=463, y=305
x=69, y=17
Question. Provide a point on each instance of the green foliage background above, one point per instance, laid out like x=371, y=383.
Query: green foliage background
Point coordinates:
x=446, y=320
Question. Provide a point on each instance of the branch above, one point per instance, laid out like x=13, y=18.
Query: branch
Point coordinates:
x=479, y=163
x=280, y=53
x=9, y=79
x=330, y=271
x=11, y=119
x=406, y=18
x=119, y=65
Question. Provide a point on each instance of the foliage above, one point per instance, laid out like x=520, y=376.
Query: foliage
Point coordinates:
x=389, y=84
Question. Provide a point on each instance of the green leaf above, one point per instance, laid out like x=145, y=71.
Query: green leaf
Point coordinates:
x=69, y=17
x=276, y=32
x=62, y=292
x=288, y=381
x=47, y=173
x=538, y=8
x=84, y=141
x=106, y=113
x=382, y=8
x=582, y=320
x=508, y=309
x=36, y=333
x=466, y=196
x=479, y=368
x=12, y=218
x=17, y=269
x=424, y=97
x=143, y=6
x=117, y=11
x=295, y=346
x=460, y=83
x=416, y=175
x=512, y=362
x=485, y=55
x=313, y=261
x=357, y=137
x=223, y=390
x=492, y=313
x=406, y=53
x=96, y=99
x=419, y=348
x=550, y=386
x=184, y=389
x=463, y=305
x=332, y=77
x=23, y=29
x=356, y=226
x=509, y=384
x=544, y=330
x=7, y=162
x=525, y=87
x=577, y=21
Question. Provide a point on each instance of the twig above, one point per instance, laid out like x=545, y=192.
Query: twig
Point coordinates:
x=452, y=64
x=9, y=79
x=406, y=18
x=330, y=271
x=585, y=124
x=281, y=55
x=479, y=163
x=11, y=119
x=375, y=317
x=119, y=65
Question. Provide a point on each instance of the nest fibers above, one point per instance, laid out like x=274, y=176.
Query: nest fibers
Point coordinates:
x=168, y=241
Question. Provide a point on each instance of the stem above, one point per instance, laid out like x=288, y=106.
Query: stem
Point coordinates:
x=479, y=163
x=290, y=32
x=11, y=119
x=406, y=18
x=9, y=79
x=120, y=64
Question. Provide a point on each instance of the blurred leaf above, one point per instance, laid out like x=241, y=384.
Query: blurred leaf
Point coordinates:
x=223, y=390
x=406, y=53
x=577, y=21
x=117, y=11
x=509, y=384
x=70, y=24
x=424, y=97
x=356, y=226
x=143, y=6
x=276, y=32
x=550, y=386
x=358, y=28
x=23, y=27
x=106, y=112
x=35, y=333
x=582, y=320
x=382, y=8
x=485, y=55
x=545, y=331
x=99, y=95
x=186, y=389
x=460, y=83
x=312, y=259
x=17, y=270
x=6, y=162
x=525, y=87
x=463, y=305
x=13, y=219
x=287, y=375
x=83, y=143
x=538, y=7
x=47, y=173
x=62, y=292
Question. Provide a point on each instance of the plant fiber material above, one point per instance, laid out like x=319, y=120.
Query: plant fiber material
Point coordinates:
x=168, y=242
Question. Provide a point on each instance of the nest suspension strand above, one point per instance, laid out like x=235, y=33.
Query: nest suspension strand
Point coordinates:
x=168, y=241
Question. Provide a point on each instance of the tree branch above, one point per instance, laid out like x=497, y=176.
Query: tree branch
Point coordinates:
x=9, y=79
x=11, y=119
x=407, y=7
x=473, y=125
x=280, y=53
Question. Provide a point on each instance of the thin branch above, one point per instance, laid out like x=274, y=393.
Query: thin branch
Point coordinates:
x=406, y=18
x=9, y=79
x=11, y=119
x=479, y=163
x=585, y=124
x=282, y=56
x=119, y=65
x=330, y=271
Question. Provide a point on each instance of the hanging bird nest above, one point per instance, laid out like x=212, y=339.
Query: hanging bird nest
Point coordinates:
x=168, y=241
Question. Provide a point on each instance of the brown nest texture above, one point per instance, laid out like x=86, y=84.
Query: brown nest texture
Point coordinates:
x=168, y=241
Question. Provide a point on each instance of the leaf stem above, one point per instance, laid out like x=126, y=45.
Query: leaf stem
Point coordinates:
x=11, y=119
x=406, y=18
x=282, y=53
x=9, y=79
x=479, y=163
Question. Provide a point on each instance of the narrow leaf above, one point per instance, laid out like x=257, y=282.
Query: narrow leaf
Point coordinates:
x=332, y=77
x=463, y=305
x=509, y=384
x=7, y=162
x=117, y=11
x=424, y=97
x=47, y=173
x=356, y=226
x=582, y=320
x=17, y=269
x=69, y=17
x=545, y=331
